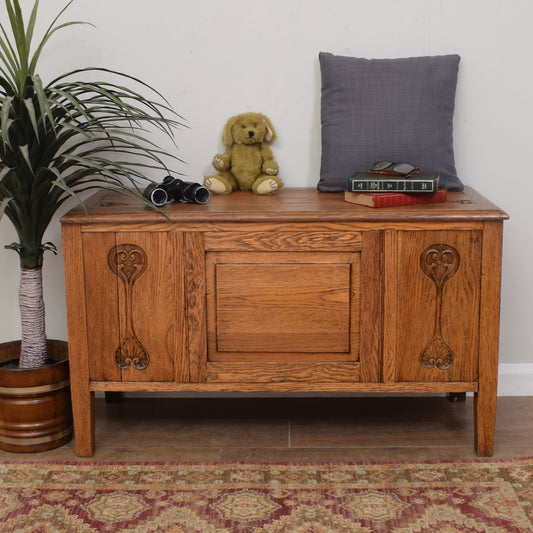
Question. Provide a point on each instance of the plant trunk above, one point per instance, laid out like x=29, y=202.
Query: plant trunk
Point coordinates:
x=33, y=347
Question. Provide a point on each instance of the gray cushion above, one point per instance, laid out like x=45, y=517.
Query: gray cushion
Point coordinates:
x=387, y=109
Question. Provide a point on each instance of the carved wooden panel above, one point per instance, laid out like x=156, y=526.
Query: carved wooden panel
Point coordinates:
x=439, y=262
x=437, y=311
x=128, y=262
x=133, y=290
x=150, y=301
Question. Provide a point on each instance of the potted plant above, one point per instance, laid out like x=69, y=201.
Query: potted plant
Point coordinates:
x=57, y=141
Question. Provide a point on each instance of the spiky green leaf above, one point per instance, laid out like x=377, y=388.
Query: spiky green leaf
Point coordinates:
x=28, y=103
x=44, y=104
x=3, y=205
x=8, y=58
x=24, y=150
x=4, y=171
x=17, y=24
x=5, y=121
x=31, y=24
x=60, y=182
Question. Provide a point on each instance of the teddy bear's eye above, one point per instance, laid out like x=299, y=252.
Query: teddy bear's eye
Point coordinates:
x=243, y=126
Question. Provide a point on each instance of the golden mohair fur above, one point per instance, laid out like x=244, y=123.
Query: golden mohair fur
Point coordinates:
x=248, y=163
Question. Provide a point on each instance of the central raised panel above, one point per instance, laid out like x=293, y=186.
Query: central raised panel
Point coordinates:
x=274, y=307
x=277, y=305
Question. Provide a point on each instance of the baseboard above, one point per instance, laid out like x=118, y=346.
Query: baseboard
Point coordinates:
x=515, y=379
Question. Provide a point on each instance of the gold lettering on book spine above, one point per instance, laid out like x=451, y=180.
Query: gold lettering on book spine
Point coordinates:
x=439, y=262
x=128, y=262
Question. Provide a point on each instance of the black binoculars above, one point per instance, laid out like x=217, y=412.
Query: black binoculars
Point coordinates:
x=175, y=189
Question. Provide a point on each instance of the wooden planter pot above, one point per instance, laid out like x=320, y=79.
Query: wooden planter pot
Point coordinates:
x=35, y=408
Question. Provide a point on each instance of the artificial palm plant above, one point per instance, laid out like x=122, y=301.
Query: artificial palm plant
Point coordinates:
x=58, y=140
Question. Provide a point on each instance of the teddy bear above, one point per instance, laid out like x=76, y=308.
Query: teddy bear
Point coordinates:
x=248, y=163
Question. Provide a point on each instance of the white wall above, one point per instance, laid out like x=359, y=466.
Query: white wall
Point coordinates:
x=215, y=58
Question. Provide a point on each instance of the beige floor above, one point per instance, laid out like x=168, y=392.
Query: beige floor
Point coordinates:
x=296, y=429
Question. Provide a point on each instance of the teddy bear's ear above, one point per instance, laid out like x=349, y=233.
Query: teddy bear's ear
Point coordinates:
x=270, y=133
x=227, y=137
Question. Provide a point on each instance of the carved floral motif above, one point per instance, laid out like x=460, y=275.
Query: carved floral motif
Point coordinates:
x=128, y=262
x=439, y=262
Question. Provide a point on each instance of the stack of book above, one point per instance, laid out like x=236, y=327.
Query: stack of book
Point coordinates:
x=378, y=190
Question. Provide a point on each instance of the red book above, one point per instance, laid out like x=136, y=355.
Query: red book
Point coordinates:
x=390, y=199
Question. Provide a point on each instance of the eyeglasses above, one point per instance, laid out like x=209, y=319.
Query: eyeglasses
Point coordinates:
x=393, y=169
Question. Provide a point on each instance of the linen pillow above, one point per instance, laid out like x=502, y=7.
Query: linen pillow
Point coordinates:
x=397, y=110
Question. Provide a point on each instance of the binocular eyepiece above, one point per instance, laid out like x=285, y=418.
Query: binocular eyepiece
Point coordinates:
x=178, y=190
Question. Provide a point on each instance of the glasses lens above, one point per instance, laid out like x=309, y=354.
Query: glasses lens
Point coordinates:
x=381, y=165
x=403, y=168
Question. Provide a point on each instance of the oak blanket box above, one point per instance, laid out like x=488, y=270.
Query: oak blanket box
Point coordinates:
x=296, y=292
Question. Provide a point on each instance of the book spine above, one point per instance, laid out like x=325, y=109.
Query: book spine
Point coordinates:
x=382, y=200
x=356, y=184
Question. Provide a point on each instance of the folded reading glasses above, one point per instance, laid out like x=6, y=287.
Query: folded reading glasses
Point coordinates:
x=393, y=169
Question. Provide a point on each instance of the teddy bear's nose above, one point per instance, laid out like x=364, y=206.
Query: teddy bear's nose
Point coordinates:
x=251, y=133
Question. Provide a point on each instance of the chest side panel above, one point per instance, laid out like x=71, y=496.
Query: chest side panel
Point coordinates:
x=438, y=297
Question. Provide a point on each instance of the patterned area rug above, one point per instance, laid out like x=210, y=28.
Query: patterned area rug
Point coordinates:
x=444, y=497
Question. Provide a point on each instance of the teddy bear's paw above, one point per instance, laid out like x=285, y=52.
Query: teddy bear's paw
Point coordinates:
x=218, y=163
x=272, y=171
x=267, y=187
x=215, y=185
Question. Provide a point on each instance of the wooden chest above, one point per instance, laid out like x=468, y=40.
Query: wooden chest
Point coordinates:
x=298, y=292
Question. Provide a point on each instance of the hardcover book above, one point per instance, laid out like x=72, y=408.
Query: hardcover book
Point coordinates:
x=424, y=182
x=390, y=199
